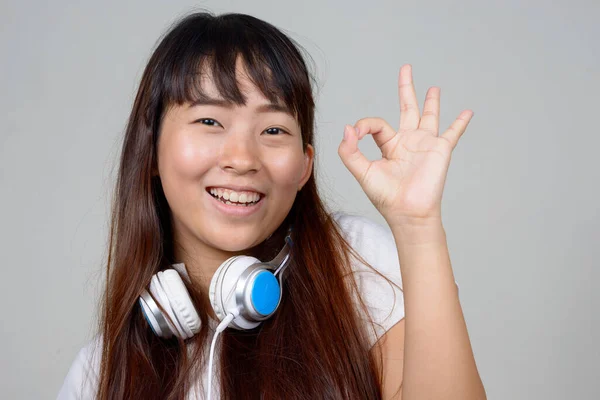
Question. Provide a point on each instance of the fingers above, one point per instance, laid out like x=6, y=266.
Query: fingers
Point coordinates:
x=430, y=121
x=351, y=156
x=409, y=109
x=381, y=131
x=458, y=127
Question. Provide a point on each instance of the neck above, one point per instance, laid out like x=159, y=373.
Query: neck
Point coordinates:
x=201, y=261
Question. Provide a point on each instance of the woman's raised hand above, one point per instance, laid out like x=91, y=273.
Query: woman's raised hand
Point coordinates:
x=406, y=184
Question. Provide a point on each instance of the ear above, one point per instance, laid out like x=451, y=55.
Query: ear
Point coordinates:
x=309, y=156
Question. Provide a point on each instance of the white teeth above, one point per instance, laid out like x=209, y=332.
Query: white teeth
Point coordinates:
x=231, y=197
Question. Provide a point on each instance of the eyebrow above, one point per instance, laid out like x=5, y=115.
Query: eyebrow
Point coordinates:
x=269, y=107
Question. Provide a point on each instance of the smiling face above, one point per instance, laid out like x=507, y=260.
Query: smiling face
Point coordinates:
x=221, y=145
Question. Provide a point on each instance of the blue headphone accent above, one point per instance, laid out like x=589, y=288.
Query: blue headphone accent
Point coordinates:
x=265, y=293
x=244, y=288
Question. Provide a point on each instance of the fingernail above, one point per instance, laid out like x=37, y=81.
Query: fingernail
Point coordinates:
x=357, y=132
x=346, y=132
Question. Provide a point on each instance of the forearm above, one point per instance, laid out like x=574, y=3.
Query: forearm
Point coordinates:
x=438, y=359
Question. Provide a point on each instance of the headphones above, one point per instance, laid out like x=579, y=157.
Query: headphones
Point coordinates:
x=243, y=288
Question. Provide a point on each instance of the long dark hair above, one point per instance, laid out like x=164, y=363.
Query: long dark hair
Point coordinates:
x=316, y=346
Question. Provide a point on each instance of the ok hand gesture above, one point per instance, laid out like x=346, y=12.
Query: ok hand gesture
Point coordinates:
x=406, y=184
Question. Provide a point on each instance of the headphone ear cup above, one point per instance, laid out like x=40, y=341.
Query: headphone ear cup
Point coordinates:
x=157, y=323
x=222, y=290
x=181, y=302
x=162, y=300
x=214, y=291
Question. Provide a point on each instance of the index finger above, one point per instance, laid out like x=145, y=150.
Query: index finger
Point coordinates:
x=379, y=129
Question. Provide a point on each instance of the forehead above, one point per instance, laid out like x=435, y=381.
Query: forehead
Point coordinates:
x=208, y=87
x=207, y=93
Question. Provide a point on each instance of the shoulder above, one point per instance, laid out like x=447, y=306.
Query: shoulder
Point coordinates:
x=372, y=241
x=366, y=235
x=355, y=224
x=379, y=283
x=81, y=381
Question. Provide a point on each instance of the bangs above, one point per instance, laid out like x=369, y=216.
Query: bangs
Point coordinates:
x=209, y=50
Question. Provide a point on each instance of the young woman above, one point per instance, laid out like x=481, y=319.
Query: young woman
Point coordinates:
x=218, y=162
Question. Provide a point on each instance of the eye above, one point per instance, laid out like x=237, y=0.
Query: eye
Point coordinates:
x=207, y=121
x=276, y=131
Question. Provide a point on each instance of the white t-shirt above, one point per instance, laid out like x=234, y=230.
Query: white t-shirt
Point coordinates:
x=385, y=303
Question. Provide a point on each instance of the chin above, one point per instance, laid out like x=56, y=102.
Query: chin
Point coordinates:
x=232, y=244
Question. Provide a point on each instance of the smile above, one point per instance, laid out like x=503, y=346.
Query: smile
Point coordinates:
x=236, y=209
x=229, y=196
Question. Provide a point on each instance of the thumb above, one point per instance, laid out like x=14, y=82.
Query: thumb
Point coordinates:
x=351, y=156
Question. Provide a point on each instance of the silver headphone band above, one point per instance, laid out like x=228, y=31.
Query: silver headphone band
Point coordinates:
x=282, y=259
x=162, y=322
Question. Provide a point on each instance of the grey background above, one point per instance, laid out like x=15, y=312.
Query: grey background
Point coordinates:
x=520, y=205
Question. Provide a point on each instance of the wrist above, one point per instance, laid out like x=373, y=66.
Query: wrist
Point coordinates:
x=424, y=232
x=424, y=219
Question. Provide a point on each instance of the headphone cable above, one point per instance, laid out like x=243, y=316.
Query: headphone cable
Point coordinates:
x=219, y=329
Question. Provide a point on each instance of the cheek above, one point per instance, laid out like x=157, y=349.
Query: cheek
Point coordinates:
x=288, y=170
x=181, y=162
x=184, y=159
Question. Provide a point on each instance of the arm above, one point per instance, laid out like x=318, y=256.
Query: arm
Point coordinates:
x=438, y=359
x=406, y=187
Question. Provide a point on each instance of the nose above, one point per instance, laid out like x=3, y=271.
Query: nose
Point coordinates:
x=240, y=154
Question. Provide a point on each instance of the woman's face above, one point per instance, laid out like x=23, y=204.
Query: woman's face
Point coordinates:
x=222, y=147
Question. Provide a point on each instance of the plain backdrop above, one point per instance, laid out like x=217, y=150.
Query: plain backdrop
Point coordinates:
x=521, y=202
